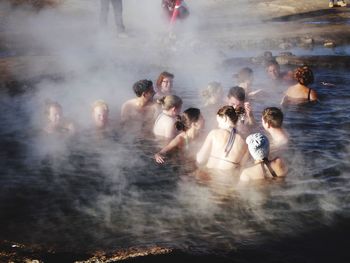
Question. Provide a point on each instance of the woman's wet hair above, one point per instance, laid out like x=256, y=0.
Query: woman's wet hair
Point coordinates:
x=100, y=103
x=237, y=92
x=51, y=104
x=142, y=86
x=188, y=117
x=272, y=63
x=162, y=76
x=244, y=74
x=273, y=116
x=228, y=111
x=304, y=75
x=170, y=101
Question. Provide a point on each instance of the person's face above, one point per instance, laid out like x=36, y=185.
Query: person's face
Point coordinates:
x=235, y=103
x=55, y=115
x=166, y=85
x=200, y=124
x=100, y=116
x=273, y=72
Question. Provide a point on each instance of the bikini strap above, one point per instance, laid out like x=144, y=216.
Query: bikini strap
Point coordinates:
x=268, y=165
x=230, y=142
x=308, y=95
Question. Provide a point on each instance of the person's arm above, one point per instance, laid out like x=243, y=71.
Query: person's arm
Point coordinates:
x=249, y=112
x=204, y=152
x=313, y=96
x=177, y=141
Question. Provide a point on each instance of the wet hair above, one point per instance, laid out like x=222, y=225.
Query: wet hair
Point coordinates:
x=100, y=103
x=162, y=76
x=51, y=104
x=214, y=88
x=228, y=111
x=304, y=75
x=244, y=74
x=273, y=116
x=237, y=92
x=272, y=63
x=170, y=101
x=188, y=117
x=142, y=86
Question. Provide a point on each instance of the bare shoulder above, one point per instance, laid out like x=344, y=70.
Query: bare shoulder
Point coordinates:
x=313, y=95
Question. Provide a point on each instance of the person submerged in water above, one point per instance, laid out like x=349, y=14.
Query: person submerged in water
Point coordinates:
x=258, y=146
x=245, y=78
x=301, y=93
x=164, y=125
x=100, y=117
x=164, y=85
x=139, y=112
x=224, y=148
x=272, y=120
x=56, y=123
x=190, y=124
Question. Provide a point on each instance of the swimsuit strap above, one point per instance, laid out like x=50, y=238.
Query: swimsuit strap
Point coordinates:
x=230, y=142
x=268, y=164
x=187, y=146
x=308, y=95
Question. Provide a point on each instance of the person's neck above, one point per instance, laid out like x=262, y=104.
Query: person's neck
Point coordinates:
x=169, y=113
x=276, y=132
x=142, y=102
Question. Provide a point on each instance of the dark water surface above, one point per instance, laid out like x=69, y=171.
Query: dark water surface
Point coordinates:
x=85, y=194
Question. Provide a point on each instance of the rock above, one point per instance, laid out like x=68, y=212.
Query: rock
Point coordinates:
x=329, y=44
x=285, y=45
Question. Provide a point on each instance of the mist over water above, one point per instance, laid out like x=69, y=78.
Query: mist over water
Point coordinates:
x=86, y=193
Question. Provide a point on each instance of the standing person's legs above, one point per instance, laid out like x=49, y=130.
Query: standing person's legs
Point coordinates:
x=118, y=14
x=104, y=12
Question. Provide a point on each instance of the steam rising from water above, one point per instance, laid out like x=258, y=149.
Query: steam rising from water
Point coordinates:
x=110, y=193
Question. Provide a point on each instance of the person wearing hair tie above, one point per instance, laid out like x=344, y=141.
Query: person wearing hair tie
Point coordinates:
x=224, y=148
x=190, y=124
x=259, y=148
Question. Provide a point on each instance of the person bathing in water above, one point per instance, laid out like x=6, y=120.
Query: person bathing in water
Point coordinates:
x=258, y=146
x=245, y=78
x=100, y=116
x=301, y=93
x=139, y=112
x=56, y=124
x=164, y=85
x=164, y=125
x=272, y=119
x=224, y=148
x=190, y=124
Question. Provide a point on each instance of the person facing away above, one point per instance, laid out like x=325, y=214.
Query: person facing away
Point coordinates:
x=237, y=99
x=190, y=124
x=55, y=122
x=140, y=111
x=164, y=84
x=258, y=146
x=118, y=15
x=301, y=93
x=164, y=125
x=224, y=147
x=272, y=120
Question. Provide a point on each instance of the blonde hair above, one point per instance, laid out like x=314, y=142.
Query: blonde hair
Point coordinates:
x=211, y=92
x=170, y=101
x=100, y=103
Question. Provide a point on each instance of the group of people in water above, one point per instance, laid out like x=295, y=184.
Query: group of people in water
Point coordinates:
x=236, y=148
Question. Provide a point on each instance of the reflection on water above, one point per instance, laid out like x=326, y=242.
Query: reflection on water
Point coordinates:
x=86, y=194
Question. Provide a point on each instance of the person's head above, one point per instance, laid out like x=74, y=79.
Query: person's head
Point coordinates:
x=273, y=70
x=53, y=112
x=272, y=117
x=165, y=82
x=213, y=93
x=226, y=117
x=236, y=97
x=258, y=146
x=171, y=103
x=245, y=75
x=190, y=118
x=100, y=112
x=304, y=75
x=144, y=88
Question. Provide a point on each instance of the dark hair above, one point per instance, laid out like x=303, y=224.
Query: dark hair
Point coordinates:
x=304, y=75
x=228, y=111
x=142, y=86
x=272, y=63
x=188, y=117
x=273, y=116
x=244, y=74
x=237, y=92
x=162, y=76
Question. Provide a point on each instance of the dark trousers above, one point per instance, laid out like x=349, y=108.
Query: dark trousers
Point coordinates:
x=118, y=13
